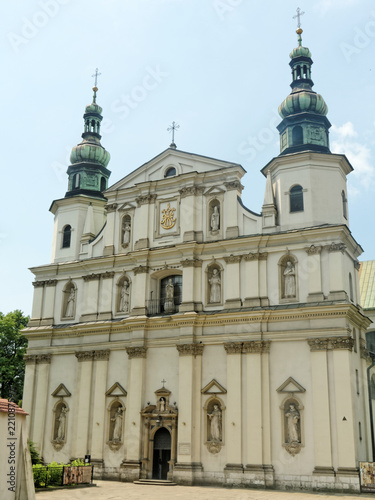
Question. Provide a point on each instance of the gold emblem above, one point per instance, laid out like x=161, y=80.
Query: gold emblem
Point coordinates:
x=168, y=220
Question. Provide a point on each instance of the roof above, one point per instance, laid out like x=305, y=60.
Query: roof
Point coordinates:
x=367, y=284
x=4, y=407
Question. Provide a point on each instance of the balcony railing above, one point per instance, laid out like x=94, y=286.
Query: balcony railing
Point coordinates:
x=163, y=306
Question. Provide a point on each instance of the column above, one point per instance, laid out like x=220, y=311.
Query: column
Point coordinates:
x=105, y=296
x=191, y=286
x=109, y=234
x=234, y=189
x=233, y=420
x=90, y=297
x=232, y=282
x=49, y=302
x=251, y=280
x=255, y=351
x=142, y=220
x=98, y=410
x=36, y=313
x=263, y=289
x=29, y=388
x=133, y=435
x=321, y=409
x=38, y=427
x=336, y=272
x=140, y=290
x=189, y=412
x=313, y=269
x=82, y=403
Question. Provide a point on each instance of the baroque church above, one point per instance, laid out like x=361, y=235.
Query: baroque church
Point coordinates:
x=179, y=335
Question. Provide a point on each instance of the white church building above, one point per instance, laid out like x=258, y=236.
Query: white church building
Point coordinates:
x=178, y=335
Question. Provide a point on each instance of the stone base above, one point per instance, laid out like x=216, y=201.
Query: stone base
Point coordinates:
x=105, y=315
x=264, y=301
x=315, y=297
x=252, y=302
x=338, y=295
x=109, y=250
x=130, y=470
x=259, y=476
x=190, y=307
x=88, y=317
x=34, y=322
x=187, y=474
x=138, y=311
x=142, y=243
x=324, y=471
x=233, y=304
x=193, y=236
x=232, y=232
x=46, y=322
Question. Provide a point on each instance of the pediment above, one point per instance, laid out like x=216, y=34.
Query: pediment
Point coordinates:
x=213, y=387
x=127, y=206
x=116, y=390
x=214, y=190
x=162, y=392
x=61, y=392
x=290, y=385
x=183, y=162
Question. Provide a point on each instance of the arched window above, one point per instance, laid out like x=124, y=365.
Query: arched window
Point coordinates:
x=170, y=172
x=344, y=205
x=297, y=136
x=296, y=199
x=76, y=181
x=170, y=293
x=103, y=184
x=351, y=295
x=67, y=233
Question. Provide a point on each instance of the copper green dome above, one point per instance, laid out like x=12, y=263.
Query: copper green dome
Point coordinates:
x=90, y=151
x=93, y=108
x=300, y=51
x=300, y=101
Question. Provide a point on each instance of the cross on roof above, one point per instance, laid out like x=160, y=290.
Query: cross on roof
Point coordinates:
x=298, y=17
x=163, y=382
x=96, y=74
x=172, y=128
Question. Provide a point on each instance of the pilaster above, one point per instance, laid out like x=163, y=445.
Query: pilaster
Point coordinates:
x=43, y=363
x=336, y=272
x=315, y=293
x=49, y=302
x=255, y=283
x=90, y=297
x=232, y=289
x=100, y=371
x=106, y=295
x=140, y=290
x=191, y=289
x=109, y=234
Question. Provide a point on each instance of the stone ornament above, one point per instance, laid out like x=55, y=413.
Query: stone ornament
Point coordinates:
x=168, y=219
x=331, y=343
x=215, y=219
x=191, y=263
x=91, y=277
x=124, y=297
x=233, y=259
x=256, y=347
x=31, y=359
x=101, y=355
x=191, y=191
x=169, y=297
x=60, y=426
x=292, y=429
x=111, y=207
x=145, y=200
x=233, y=185
x=141, y=270
x=190, y=349
x=289, y=280
x=337, y=247
x=136, y=352
x=215, y=287
x=313, y=250
x=233, y=347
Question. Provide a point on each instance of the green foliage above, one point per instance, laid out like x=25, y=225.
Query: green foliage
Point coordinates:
x=55, y=473
x=51, y=474
x=77, y=461
x=12, y=349
x=35, y=457
x=41, y=475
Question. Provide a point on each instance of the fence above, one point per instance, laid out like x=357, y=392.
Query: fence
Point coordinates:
x=62, y=475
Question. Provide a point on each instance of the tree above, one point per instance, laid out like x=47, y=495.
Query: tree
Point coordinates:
x=12, y=349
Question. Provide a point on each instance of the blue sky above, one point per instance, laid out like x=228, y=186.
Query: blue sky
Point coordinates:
x=219, y=68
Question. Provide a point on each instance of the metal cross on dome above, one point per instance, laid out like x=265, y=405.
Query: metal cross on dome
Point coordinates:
x=163, y=382
x=298, y=17
x=95, y=75
x=172, y=128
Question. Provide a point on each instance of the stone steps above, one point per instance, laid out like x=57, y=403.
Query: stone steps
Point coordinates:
x=155, y=482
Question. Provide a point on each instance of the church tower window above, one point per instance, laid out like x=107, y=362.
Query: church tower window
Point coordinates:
x=76, y=181
x=344, y=205
x=170, y=172
x=297, y=136
x=296, y=199
x=103, y=184
x=67, y=233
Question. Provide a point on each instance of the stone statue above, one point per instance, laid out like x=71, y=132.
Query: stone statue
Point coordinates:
x=293, y=416
x=169, y=294
x=215, y=283
x=289, y=280
x=215, y=219
x=162, y=404
x=124, y=298
x=61, y=425
x=126, y=237
x=117, y=428
x=69, y=312
x=215, y=418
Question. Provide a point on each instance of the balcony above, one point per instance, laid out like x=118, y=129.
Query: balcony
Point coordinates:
x=157, y=307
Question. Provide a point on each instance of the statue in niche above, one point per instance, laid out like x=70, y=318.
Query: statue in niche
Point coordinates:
x=126, y=234
x=162, y=404
x=169, y=297
x=61, y=423
x=215, y=219
x=124, y=297
x=293, y=418
x=289, y=280
x=215, y=284
x=70, y=303
x=215, y=418
x=117, y=427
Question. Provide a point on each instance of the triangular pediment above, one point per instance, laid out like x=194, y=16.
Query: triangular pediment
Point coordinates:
x=213, y=388
x=127, y=206
x=291, y=385
x=183, y=162
x=214, y=190
x=61, y=392
x=116, y=390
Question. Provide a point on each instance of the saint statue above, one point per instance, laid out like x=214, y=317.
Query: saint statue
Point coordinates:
x=61, y=425
x=117, y=428
x=215, y=219
x=126, y=237
x=215, y=283
x=162, y=404
x=124, y=298
x=169, y=297
x=289, y=280
x=69, y=312
x=215, y=418
x=293, y=416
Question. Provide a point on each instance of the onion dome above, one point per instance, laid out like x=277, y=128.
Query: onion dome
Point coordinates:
x=304, y=124
x=88, y=173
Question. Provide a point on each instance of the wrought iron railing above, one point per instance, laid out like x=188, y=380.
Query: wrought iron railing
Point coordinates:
x=163, y=306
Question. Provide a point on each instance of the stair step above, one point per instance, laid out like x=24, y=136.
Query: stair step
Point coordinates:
x=155, y=482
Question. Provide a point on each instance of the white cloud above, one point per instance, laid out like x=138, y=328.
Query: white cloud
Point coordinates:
x=344, y=141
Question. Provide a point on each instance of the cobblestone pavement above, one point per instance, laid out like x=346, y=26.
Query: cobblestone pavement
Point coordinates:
x=112, y=490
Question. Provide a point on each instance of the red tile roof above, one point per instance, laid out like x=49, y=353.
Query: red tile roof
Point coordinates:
x=4, y=407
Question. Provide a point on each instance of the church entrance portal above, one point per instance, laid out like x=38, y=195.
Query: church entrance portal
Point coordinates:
x=162, y=454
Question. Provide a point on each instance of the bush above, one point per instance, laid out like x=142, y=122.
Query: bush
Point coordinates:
x=35, y=458
x=41, y=475
x=55, y=473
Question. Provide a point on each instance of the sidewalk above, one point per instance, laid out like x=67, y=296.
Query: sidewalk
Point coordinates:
x=112, y=490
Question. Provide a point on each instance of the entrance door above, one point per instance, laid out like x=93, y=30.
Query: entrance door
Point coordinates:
x=162, y=454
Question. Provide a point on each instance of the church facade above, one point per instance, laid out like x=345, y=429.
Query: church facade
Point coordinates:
x=179, y=335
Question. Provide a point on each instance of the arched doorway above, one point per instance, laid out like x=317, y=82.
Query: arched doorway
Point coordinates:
x=162, y=454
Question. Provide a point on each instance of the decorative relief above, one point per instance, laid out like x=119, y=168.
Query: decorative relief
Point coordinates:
x=145, y=200
x=38, y=284
x=190, y=349
x=31, y=359
x=108, y=274
x=191, y=191
x=357, y=265
x=292, y=427
x=233, y=347
x=233, y=259
x=101, y=355
x=214, y=281
x=136, y=352
x=337, y=247
x=91, y=277
x=168, y=219
x=233, y=185
x=111, y=207
x=313, y=250
x=141, y=270
x=191, y=263
x=363, y=350
x=256, y=347
x=330, y=343
x=60, y=425
x=84, y=355
x=51, y=282
x=256, y=256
